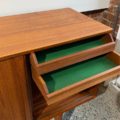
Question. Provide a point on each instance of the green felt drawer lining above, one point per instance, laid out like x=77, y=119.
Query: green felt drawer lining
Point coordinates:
x=75, y=73
x=57, y=52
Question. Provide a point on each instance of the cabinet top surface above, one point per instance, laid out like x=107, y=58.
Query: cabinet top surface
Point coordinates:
x=25, y=33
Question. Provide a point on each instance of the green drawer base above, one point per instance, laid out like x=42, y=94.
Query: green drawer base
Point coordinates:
x=67, y=76
x=61, y=51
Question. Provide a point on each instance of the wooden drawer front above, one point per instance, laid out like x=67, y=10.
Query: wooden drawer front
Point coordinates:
x=43, y=112
x=79, y=51
x=63, y=83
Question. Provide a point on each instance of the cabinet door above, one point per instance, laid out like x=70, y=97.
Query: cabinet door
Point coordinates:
x=14, y=95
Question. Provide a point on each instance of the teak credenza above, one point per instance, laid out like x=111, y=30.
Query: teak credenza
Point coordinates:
x=51, y=62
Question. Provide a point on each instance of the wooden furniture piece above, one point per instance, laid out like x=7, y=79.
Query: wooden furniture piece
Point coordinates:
x=22, y=34
x=62, y=56
x=42, y=111
x=14, y=90
x=32, y=34
x=63, y=83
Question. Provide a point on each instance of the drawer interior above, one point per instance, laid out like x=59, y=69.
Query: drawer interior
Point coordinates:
x=64, y=77
x=64, y=50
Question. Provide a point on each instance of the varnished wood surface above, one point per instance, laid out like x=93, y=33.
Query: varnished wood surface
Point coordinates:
x=14, y=95
x=42, y=68
x=28, y=32
x=43, y=112
x=58, y=117
x=79, y=86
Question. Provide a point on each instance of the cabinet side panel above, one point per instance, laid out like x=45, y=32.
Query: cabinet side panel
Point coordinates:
x=14, y=100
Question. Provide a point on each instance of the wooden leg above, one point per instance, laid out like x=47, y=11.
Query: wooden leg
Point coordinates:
x=59, y=117
x=94, y=90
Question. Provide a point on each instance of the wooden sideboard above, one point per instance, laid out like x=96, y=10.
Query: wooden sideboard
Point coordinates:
x=22, y=35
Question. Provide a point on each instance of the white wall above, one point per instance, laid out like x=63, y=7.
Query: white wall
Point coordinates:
x=11, y=7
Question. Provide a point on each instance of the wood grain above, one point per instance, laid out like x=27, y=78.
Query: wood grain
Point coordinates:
x=14, y=95
x=58, y=117
x=114, y=56
x=40, y=83
x=70, y=59
x=41, y=111
x=22, y=34
x=78, y=87
x=82, y=85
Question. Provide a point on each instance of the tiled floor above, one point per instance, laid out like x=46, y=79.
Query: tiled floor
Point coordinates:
x=105, y=107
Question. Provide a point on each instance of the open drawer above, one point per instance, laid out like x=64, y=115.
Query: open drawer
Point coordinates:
x=58, y=57
x=65, y=82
